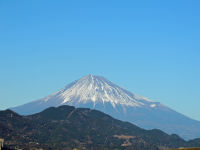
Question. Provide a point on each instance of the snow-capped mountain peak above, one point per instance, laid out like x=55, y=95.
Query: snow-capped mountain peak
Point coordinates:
x=96, y=89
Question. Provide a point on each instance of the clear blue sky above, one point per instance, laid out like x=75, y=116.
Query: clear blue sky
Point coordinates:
x=151, y=48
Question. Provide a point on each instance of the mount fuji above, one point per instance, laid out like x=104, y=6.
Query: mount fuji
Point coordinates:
x=98, y=93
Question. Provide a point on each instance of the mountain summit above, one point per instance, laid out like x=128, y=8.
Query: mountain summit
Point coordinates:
x=96, y=92
x=90, y=91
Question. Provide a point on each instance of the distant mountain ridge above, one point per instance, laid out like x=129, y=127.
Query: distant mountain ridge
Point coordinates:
x=98, y=93
x=67, y=127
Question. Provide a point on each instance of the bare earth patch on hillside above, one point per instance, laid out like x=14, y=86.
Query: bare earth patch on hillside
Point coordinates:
x=126, y=138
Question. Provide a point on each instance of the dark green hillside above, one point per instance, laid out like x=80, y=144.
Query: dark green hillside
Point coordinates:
x=67, y=127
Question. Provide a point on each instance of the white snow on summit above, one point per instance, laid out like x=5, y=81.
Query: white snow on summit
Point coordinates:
x=97, y=89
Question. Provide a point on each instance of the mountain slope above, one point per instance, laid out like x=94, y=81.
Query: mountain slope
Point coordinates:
x=90, y=90
x=67, y=127
x=98, y=93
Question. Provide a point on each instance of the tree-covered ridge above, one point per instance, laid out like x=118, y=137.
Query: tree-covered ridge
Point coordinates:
x=67, y=127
